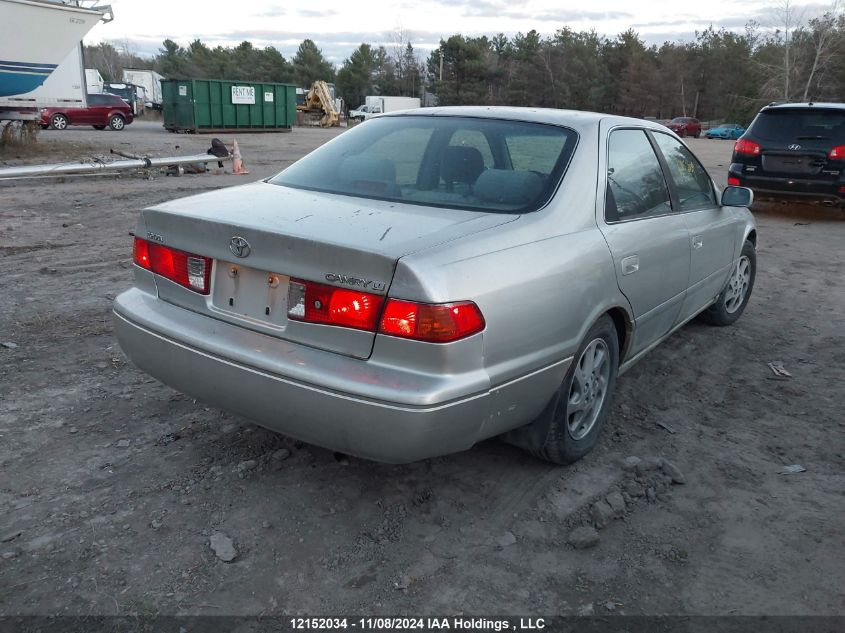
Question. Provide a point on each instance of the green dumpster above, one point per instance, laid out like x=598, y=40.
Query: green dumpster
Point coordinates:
x=209, y=105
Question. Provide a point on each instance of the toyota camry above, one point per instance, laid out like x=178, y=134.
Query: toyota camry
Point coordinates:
x=435, y=277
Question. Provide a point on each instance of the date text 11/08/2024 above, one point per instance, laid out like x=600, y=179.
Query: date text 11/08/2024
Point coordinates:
x=411, y=624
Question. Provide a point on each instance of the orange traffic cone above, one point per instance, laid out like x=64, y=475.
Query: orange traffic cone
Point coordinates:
x=238, y=168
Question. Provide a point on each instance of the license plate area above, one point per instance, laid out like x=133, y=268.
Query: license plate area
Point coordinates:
x=252, y=295
x=791, y=164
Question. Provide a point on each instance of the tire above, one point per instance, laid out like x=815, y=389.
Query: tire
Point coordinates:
x=729, y=306
x=59, y=122
x=559, y=435
x=117, y=123
x=99, y=127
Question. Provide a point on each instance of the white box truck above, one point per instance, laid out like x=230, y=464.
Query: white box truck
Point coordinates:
x=151, y=82
x=378, y=105
x=65, y=87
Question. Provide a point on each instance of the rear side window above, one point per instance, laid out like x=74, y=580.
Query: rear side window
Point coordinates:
x=695, y=190
x=797, y=125
x=636, y=188
x=454, y=162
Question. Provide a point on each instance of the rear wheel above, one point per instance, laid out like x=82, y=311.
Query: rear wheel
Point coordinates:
x=59, y=122
x=732, y=301
x=569, y=426
x=117, y=123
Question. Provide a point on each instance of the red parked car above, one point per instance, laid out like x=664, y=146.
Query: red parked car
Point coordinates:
x=104, y=110
x=685, y=126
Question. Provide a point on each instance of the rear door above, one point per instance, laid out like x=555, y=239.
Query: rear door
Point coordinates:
x=648, y=239
x=712, y=229
x=93, y=114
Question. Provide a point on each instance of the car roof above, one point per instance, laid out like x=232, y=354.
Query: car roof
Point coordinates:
x=806, y=105
x=577, y=119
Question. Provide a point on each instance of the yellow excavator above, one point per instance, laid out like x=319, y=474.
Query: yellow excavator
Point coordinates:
x=319, y=106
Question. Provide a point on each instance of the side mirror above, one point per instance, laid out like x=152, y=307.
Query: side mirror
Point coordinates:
x=737, y=197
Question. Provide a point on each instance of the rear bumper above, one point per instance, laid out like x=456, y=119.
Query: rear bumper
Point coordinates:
x=349, y=419
x=805, y=187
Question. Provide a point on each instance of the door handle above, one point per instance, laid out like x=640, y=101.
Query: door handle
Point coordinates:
x=630, y=264
x=697, y=242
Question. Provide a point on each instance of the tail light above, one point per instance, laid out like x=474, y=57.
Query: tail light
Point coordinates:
x=435, y=323
x=186, y=269
x=837, y=153
x=732, y=180
x=746, y=147
x=318, y=303
x=311, y=302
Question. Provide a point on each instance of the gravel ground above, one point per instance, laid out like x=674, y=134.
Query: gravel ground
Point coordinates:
x=121, y=496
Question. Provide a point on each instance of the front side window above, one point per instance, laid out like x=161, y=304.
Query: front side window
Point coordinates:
x=455, y=162
x=636, y=188
x=695, y=191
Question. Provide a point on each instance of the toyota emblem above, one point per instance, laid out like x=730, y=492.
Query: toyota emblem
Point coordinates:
x=794, y=147
x=239, y=246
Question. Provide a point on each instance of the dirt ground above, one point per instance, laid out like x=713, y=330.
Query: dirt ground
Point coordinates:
x=113, y=485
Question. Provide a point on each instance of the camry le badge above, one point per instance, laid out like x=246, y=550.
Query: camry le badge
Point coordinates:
x=239, y=246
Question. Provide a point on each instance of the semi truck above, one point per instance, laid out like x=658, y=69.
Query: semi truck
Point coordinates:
x=150, y=80
x=134, y=96
x=378, y=105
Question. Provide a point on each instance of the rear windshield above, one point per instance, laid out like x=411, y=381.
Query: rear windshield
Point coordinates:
x=456, y=162
x=797, y=125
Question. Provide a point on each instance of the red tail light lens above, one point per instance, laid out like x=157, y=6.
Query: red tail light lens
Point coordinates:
x=141, y=253
x=186, y=269
x=733, y=181
x=837, y=153
x=435, y=323
x=749, y=148
x=318, y=303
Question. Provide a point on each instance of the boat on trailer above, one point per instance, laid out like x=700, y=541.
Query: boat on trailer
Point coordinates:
x=38, y=35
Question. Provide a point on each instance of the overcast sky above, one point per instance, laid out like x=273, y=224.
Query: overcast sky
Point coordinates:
x=339, y=26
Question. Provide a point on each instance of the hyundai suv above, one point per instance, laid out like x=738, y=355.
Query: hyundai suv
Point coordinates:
x=793, y=149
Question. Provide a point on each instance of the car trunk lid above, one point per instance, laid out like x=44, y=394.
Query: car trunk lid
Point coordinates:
x=283, y=233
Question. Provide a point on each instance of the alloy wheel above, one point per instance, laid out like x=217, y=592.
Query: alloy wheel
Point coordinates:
x=589, y=389
x=738, y=285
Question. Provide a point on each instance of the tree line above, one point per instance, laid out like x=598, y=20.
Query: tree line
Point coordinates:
x=720, y=75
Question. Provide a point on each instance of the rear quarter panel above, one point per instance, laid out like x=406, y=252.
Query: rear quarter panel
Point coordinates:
x=540, y=282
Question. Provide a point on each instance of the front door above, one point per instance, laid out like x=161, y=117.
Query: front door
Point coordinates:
x=647, y=237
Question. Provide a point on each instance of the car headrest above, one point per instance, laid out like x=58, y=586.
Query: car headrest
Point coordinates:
x=461, y=164
x=508, y=187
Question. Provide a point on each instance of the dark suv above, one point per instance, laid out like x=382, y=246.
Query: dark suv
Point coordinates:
x=793, y=149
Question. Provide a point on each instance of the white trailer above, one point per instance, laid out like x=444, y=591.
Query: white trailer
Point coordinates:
x=94, y=81
x=378, y=105
x=150, y=80
x=65, y=87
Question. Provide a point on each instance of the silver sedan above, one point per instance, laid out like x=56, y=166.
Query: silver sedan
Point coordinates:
x=436, y=277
